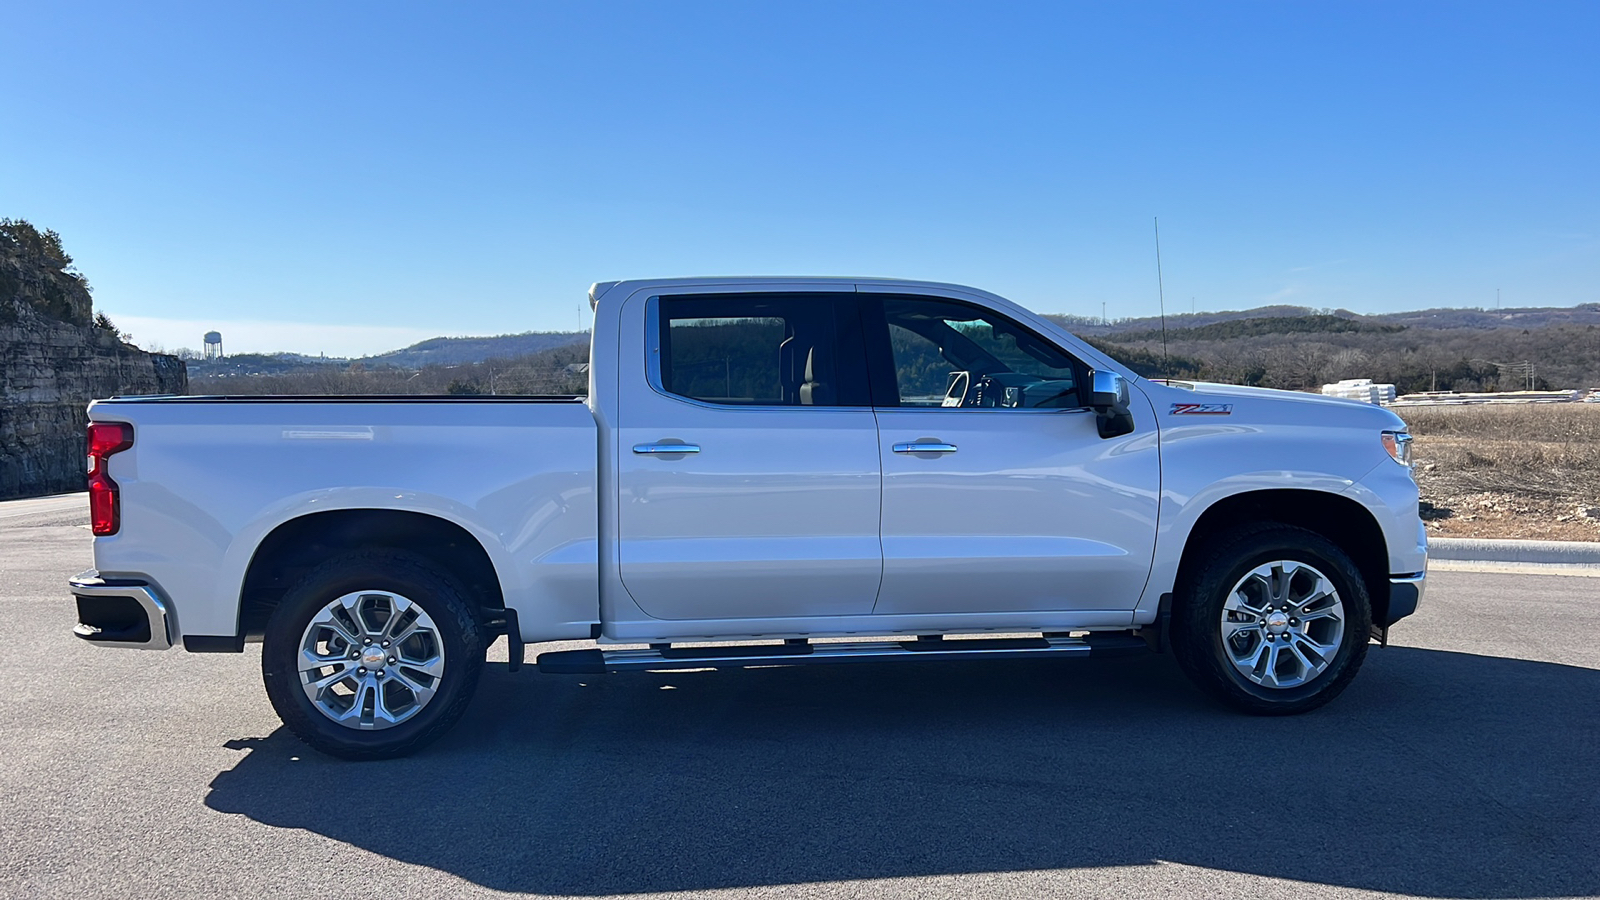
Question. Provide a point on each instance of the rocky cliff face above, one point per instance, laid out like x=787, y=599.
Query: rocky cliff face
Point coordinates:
x=52, y=363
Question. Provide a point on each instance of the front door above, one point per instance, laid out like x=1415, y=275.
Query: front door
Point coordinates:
x=999, y=495
x=770, y=507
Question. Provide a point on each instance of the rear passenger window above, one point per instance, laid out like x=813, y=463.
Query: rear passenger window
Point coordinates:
x=762, y=350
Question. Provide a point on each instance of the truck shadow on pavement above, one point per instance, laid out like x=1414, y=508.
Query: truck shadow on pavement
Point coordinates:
x=1437, y=773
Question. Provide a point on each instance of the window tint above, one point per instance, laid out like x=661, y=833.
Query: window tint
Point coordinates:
x=760, y=350
x=960, y=357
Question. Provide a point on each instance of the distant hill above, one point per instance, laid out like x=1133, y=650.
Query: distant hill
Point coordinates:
x=446, y=351
x=259, y=364
x=1484, y=319
x=1239, y=328
x=1462, y=350
x=434, y=352
x=1086, y=326
x=1527, y=317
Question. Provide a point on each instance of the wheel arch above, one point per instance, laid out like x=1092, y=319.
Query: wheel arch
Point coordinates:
x=1344, y=521
x=299, y=544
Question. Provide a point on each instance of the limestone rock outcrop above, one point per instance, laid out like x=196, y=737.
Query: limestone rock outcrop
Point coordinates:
x=53, y=361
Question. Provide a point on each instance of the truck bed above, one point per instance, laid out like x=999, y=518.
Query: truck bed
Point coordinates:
x=209, y=479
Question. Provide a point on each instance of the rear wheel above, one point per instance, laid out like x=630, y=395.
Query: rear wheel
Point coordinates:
x=372, y=655
x=1274, y=621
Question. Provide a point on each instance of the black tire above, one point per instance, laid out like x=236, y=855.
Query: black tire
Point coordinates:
x=410, y=577
x=1197, y=639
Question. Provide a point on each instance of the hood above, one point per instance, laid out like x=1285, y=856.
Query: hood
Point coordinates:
x=1223, y=393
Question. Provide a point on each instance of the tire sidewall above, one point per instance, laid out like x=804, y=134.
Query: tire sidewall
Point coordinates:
x=436, y=594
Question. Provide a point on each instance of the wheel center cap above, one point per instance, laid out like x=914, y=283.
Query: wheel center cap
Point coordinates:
x=373, y=657
x=1277, y=622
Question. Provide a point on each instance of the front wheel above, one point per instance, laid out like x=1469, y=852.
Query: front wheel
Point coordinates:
x=1274, y=621
x=372, y=655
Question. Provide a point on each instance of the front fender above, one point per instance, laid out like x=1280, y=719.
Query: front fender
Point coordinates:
x=1201, y=465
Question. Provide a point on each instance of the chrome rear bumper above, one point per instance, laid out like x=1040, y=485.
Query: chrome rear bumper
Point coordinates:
x=121, y=612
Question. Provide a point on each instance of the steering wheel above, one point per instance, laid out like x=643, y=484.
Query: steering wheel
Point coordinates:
x=987, y=392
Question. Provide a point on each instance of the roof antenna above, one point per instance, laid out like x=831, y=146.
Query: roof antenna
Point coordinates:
x=1161, y=293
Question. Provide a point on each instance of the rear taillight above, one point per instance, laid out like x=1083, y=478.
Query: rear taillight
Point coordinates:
x=105, y=507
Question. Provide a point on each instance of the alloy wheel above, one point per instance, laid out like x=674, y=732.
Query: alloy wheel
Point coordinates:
x=371, y=660
x=1282, y=624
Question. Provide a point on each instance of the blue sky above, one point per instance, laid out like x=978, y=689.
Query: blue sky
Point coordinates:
x=350, y=177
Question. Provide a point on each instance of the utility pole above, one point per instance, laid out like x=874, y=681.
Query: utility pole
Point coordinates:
x=1102, y=312
x=1522, y=371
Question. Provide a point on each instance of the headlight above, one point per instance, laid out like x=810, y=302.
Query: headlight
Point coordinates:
x=1398, y=443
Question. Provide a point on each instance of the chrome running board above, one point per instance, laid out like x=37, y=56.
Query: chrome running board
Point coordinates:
x=802, y=653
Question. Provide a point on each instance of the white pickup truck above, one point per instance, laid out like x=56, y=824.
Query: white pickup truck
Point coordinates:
x=766, y=471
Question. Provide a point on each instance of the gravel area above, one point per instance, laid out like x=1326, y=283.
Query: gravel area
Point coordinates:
x=1523, y=471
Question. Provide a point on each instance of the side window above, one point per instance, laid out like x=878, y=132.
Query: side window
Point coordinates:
x=761, y=350
x=960, y=357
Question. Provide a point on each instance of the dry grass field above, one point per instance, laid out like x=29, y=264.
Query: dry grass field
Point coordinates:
x=1509, y=471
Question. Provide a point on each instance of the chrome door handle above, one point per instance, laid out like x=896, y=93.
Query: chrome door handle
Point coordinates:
x=666, y=448
x=925, y=448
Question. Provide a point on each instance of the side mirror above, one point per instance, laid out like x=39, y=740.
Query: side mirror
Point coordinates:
x=1108, y=397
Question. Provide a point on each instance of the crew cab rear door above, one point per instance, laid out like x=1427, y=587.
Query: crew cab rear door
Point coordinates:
x=999, y=493
x=770, y=507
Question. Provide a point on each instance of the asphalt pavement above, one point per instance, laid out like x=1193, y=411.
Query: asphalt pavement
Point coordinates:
x=1463, y=762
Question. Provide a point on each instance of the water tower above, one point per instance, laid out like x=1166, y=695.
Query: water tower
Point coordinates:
x=213, y=345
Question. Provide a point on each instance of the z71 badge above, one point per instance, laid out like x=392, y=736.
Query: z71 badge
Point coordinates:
x=1201, y=409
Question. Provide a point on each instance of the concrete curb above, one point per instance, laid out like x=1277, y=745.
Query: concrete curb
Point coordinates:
x=1583, y=553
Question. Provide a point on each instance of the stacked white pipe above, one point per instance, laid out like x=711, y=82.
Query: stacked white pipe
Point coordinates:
x=1361, y=389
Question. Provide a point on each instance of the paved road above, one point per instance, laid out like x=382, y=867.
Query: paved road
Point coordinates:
x=1463, y=763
